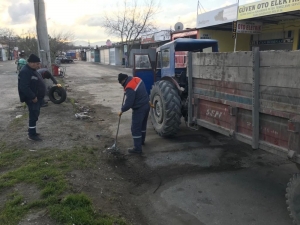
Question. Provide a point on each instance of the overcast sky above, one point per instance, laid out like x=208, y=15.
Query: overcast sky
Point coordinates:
x=83, y=17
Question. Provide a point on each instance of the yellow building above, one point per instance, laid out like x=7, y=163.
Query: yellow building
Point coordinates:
x=225, y=40
x=262, y=24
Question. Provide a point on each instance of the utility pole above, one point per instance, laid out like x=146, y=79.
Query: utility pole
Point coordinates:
x=237, y=13
x=42, y=33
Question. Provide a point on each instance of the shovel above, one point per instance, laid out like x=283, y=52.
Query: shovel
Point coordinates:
x=114, y=147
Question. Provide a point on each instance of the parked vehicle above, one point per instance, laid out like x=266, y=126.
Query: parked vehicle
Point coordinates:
x=67, y=59
x=250, y=96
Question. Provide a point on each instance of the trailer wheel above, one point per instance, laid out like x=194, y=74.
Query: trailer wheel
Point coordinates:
x=293, y=198
x=166, y=114
x=57, y=95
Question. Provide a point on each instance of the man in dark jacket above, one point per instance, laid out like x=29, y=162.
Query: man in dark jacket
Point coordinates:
x=32, y=89
x=46, y=74
x=137, y=99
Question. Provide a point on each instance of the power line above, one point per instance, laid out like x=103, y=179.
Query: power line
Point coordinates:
x=201, y=7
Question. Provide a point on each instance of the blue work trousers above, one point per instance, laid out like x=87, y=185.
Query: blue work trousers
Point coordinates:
x=34, y=112
x=139, y=125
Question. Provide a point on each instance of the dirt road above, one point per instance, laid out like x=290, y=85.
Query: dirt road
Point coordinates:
x=199, y=177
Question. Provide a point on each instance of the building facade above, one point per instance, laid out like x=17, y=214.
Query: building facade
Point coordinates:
x=269, y=27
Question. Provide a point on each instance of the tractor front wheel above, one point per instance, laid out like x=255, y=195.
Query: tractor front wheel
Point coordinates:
x=166, y=114
x=293, y=198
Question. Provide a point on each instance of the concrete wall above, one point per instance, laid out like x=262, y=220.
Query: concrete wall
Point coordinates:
x=3, y=55
x=88, y=56
x=226, y=42
x=104, y=56
x=223, y=92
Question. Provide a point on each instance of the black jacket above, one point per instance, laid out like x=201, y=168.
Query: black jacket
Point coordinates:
x=30, y=84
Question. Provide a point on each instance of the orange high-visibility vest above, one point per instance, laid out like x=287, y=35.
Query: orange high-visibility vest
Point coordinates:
x=134, y=83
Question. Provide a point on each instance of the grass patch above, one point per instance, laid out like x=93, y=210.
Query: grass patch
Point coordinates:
x=47, y=169
x=73, y=102
x=13, y=211
x=17, y=122
x=77, y=209
x=6, y=157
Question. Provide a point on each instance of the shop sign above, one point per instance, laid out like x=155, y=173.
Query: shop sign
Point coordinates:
x=272, y=41
x=184, y=34
x=219, y=16
x=234, y=26
x=205, y=36
x=147, y=39
x=267, y=7
x=163, y=35
x=249, y=27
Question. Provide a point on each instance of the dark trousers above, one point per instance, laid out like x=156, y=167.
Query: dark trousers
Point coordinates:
x=34, y=112
x=139, y=125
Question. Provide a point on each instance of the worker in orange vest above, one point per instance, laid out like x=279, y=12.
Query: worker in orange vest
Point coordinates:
x=137, y=99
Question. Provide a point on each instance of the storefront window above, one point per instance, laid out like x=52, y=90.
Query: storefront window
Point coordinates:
x=158, y=65
x=142, y=62
x=166, y=58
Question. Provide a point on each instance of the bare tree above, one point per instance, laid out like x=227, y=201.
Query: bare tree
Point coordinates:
x=131, y=21
x=27, y=42
x=8, y=37
x=60, y=42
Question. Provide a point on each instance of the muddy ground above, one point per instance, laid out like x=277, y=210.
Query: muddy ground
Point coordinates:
x=196, y=178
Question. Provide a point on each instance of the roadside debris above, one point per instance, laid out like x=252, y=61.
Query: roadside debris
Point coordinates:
x=84, y=111
x=18, y=116
x=82, y=115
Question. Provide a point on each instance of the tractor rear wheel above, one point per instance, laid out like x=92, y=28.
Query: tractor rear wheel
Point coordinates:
x=166, y=114
x=293, y=198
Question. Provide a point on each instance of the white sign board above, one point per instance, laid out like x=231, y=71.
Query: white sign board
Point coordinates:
x=249, y=27
x=219, y=16
x=163, y=35
x=205, y=36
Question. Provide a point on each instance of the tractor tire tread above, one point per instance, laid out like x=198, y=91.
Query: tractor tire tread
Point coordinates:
x=172, y=108
x=292, y=201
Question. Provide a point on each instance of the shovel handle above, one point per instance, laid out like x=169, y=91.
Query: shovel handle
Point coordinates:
x=119, y=122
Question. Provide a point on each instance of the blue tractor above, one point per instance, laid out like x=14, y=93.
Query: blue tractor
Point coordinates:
x=167, y=84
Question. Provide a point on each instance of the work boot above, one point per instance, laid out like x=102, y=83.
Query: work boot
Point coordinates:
x=34, y=138
x=134, y=151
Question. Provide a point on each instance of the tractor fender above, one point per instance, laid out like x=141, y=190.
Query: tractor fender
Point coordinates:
x=173, y=81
